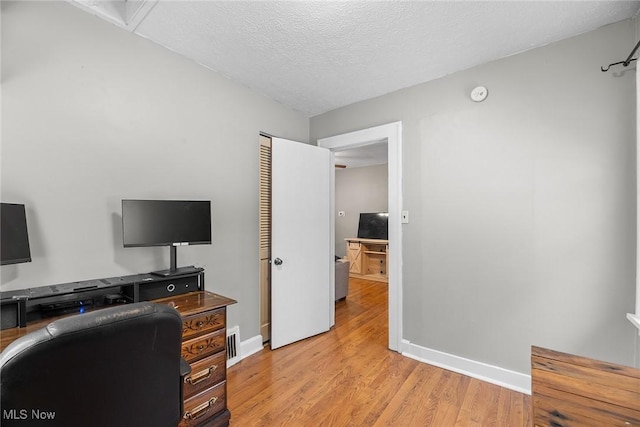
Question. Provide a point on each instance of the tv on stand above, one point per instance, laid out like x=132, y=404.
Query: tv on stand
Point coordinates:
x=374, y=225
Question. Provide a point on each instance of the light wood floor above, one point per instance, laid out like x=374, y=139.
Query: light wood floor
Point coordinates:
x=348, y=377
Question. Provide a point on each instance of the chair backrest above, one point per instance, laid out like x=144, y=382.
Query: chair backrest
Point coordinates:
x=117, y=366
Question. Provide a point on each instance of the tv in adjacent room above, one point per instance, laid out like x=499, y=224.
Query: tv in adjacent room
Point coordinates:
x=374, y=225
x=14, y=238
x=170, y=223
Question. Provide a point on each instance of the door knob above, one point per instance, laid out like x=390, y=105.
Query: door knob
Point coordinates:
x=277, y=261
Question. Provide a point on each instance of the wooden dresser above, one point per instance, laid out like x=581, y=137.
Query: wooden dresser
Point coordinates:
x=204, y=343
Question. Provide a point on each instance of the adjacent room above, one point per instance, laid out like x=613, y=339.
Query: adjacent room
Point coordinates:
x=473, y=165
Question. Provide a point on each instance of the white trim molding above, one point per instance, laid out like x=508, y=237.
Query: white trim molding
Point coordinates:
x=635, y=320
x=251, y=346
x=492, y=374
x=392, y=134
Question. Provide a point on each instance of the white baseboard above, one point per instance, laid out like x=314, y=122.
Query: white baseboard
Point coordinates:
x=493, y=374
x=250, y=346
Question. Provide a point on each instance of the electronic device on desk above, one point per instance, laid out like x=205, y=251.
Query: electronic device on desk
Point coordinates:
x=112, y=299
x=165, y=287
x=14, y=238
x=170, y=223
x=63, y=307
x=374, y=226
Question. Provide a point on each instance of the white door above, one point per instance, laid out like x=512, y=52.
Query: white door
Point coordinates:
x=301, y=254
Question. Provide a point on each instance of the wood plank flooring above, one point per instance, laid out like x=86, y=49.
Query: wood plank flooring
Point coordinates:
x=348, y=377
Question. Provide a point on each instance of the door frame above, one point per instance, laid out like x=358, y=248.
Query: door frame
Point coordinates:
x=392, y=134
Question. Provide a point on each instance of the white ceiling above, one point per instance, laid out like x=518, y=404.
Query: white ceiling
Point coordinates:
x=368, y=155
x=315, y=56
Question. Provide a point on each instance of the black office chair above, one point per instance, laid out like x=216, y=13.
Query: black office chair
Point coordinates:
x=119, y=366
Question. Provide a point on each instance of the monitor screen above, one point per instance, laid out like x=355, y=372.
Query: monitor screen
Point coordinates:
x=374, y=226
x=166, y=222
x=14, y=239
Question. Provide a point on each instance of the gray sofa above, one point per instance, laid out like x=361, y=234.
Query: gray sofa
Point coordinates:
x=342, y=279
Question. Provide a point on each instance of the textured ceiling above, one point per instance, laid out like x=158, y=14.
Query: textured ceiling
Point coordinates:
x=368, y=155
x=315, y=56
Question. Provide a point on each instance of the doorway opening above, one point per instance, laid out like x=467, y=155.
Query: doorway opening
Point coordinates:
x=391, y=134
x=362, y=183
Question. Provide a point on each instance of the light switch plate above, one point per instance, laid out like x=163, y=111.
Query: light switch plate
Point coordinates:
x=404, y=218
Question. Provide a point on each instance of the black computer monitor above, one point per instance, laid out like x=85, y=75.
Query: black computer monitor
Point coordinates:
x=14, y=238
x=170, y=223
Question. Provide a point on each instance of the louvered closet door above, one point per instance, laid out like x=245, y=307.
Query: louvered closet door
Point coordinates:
x=265, y=237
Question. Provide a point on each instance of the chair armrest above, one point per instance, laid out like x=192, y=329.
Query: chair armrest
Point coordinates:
x=185, y=368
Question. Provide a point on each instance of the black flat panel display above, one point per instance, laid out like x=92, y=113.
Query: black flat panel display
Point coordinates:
x=14, y=239
x=374, y=226
x=166, y=222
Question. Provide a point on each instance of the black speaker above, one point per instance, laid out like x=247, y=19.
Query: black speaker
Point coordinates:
x=165, y=287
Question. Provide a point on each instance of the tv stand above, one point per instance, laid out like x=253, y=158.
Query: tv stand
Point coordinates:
x=368, y=259
x=173, y=269
x=21, y=306
x=176, y=272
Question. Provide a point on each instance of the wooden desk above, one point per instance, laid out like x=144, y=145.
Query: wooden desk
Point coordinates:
x=569, y=390
x=204, y=344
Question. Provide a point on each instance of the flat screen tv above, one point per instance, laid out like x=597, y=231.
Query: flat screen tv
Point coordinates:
x=14, y=238
x=170, y=223
x=374, y=226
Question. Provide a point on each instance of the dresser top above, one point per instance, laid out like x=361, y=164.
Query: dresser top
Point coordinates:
x=196, y=302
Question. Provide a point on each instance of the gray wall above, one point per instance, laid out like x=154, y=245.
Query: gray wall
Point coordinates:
x=363, y=189
x=522, y=208
x=91, y=115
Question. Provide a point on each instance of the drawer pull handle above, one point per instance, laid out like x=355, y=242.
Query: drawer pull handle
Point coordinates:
x=200, y=410
x=201, y=376
x=200, y=324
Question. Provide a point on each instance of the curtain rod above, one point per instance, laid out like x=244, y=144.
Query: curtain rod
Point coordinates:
x=626, y=62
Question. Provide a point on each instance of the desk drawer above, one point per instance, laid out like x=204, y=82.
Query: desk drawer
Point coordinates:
x=203, y=323
x=203, y=346
x=205, y=373
x=204, y=405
